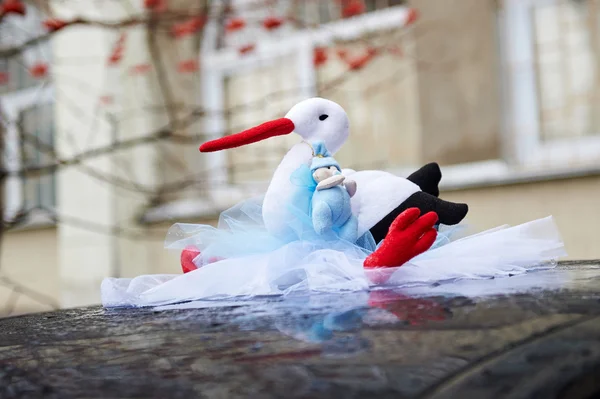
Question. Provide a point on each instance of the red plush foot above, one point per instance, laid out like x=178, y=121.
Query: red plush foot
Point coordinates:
x=408, y=236
x=187, y=257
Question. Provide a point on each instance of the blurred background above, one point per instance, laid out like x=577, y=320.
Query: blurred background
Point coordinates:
x=104, y=103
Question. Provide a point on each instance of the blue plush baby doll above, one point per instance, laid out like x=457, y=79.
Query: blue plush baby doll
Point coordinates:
x=331, y=209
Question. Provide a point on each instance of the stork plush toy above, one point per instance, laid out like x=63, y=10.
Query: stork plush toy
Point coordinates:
x=385, y=221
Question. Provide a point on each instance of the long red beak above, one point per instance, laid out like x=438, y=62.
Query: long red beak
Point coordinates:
x=277, y=127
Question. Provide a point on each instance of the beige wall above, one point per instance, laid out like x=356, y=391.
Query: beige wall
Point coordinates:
x=29, y=258
x=456, y=59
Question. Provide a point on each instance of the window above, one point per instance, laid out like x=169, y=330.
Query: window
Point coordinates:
x=37, y=123
x=27, y=110
x=552, y=79
x=14, y=31
x=245, y=91
x=313, y=12
x=567, y=56
x=257, y=87
x=29, y=128
x=14, y=76
x=266, y=83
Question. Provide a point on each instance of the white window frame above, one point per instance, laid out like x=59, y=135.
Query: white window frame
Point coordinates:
x=223, y=65
x=13, y=104
x=218, y=65
x=521, y=104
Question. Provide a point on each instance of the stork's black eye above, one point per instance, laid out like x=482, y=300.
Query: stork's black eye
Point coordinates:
x=323, y=117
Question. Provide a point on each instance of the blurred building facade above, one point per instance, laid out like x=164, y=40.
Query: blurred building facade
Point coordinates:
x=504, y=94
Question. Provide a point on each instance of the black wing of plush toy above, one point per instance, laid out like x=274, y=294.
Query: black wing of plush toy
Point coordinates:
x=428, y=179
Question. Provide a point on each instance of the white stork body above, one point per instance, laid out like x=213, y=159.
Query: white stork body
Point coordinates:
x=378, y=193
x=275, y=213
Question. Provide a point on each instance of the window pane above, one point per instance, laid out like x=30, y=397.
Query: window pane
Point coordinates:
x=13, y=33
x=38, y=129
x=256, y=96
x=322, y=11
x=568, y=65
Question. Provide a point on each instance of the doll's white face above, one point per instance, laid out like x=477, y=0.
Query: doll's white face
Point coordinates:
x=324, y=173
x=320, y=119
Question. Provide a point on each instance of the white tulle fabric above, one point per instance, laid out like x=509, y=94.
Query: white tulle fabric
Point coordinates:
x=257, y=264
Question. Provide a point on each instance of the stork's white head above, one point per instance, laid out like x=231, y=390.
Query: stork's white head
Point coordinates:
x=320, y=119
x=315, y=119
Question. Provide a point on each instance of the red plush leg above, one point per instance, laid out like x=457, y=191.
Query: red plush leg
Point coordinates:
x=187, y=257
x=408, y=236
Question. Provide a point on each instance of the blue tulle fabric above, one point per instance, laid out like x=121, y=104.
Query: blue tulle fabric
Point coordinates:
x=242, y=233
